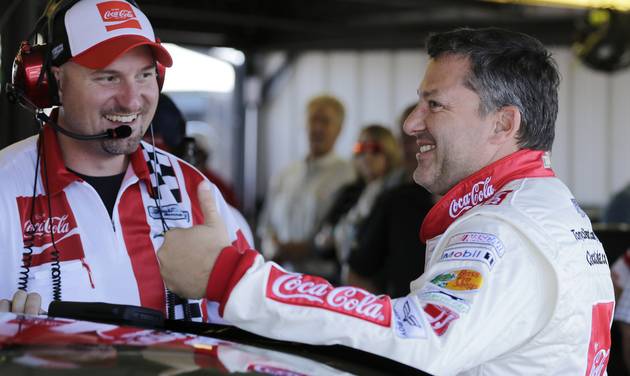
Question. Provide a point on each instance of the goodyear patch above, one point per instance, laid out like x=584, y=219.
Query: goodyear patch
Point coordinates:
x=478, y=254
x=407, y=319
x=459, y=280
x=433, y=294
x=480, y=238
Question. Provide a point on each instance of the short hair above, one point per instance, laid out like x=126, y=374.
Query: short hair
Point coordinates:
x=387, y=141
x=508, y=68
x=327, y=101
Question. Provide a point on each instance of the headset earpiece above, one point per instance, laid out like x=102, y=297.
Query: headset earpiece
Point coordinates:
x=31, y=78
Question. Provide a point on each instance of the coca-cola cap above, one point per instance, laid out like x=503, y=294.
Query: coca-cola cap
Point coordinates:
x=93, y=33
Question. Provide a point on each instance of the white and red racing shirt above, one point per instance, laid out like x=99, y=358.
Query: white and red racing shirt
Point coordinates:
x=516, y=282
x=102, y=259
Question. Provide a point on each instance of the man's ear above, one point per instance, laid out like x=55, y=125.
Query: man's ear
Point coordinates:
x=506, y=125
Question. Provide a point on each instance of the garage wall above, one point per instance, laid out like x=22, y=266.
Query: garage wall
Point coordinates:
x=590, y=152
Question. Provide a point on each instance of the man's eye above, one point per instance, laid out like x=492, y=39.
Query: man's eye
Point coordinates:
x=148, y=74
x=434, y=105
x=106, y=79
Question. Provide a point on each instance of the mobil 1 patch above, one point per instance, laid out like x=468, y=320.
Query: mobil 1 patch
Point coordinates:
x=483, y=255
x=477, y=239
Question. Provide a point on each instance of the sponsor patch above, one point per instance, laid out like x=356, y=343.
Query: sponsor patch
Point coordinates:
x=478, y=238
x=407, y=319
x=436, y=295
x=484, y=255
x=599, y=345
x=577, y=208
x=170, y=212
x=459, y=280
x=439, y=317
x=311, y=291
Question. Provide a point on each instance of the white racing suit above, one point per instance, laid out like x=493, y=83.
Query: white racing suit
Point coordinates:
x=516, y=282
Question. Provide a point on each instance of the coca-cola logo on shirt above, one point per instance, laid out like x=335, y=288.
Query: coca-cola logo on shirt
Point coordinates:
x=306, y=290
x=43, y=225
x=118, y=15
x=39, y=226
x=479, y=192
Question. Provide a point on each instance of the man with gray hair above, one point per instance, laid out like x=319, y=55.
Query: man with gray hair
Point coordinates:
x=515, y=282
x=300, y=196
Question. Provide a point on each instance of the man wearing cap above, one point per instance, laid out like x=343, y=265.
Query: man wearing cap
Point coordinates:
x=82, y=219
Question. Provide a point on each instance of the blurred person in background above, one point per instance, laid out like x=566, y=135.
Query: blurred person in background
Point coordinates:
x=300, y=196
x=376, y=159
x=389, y=254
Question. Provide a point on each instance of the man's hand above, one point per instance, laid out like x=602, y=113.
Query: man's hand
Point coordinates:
x=188, y=254
x=30, y=303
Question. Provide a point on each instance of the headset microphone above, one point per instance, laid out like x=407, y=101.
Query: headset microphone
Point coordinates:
x=122, y=131
x=15, y=95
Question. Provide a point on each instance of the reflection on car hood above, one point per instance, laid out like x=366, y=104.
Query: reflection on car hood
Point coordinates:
x=41, y=342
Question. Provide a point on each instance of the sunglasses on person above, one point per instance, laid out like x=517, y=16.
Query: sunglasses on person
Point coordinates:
x=370, y=147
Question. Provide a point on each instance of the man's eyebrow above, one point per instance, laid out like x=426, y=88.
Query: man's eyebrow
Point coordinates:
x=113, y=71
x=105, y=71
x=426, y=93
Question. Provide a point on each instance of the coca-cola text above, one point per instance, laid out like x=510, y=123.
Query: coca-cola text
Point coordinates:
x=301, y=289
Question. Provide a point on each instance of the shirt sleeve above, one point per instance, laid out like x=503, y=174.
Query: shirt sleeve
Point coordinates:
x=476, y=301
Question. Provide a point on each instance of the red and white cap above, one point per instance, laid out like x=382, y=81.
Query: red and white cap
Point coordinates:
x=93, y=33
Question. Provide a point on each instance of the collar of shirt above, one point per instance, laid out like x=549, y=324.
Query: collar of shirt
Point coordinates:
x=481, y=186
x=313, y=164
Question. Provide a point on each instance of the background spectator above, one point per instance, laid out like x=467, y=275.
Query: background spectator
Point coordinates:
x=389, y=253
x=300, y=196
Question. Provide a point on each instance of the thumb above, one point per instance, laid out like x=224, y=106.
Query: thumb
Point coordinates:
x=207, y=203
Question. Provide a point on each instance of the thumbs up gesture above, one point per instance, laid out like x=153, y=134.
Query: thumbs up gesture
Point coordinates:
x=188, y=254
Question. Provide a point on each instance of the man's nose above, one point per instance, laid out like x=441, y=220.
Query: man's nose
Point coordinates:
x=415, y=121
x=129, y=95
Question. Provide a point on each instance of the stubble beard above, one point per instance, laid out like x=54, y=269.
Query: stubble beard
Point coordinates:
x=123, y=146
x=438, y=182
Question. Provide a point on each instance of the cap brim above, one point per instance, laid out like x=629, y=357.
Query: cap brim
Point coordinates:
x=101, y=55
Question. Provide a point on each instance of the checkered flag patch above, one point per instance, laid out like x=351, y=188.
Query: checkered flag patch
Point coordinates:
x=164, y=178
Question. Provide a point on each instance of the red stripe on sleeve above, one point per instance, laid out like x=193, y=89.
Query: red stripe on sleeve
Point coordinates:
x=227, y=271
x=137, y=233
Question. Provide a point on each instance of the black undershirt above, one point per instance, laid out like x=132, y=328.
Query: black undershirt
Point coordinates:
x=106, y=186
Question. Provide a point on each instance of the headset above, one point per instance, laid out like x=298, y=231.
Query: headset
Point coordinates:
x=32, y=82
